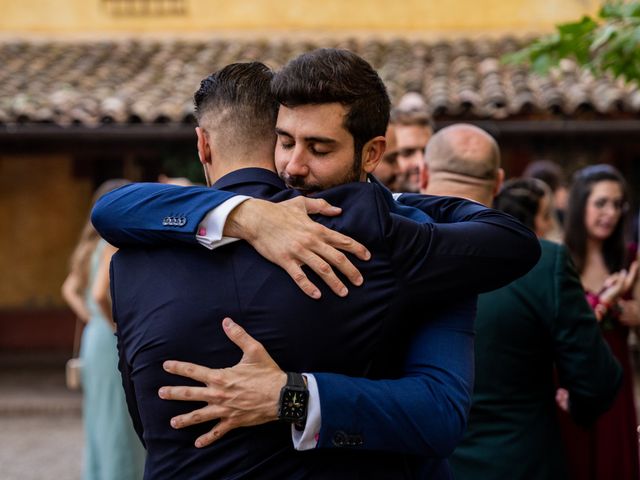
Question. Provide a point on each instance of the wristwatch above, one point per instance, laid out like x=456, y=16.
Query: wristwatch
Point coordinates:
x=294, y=398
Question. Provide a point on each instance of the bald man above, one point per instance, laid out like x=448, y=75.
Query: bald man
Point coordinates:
x=538, y=324
x=462, y=160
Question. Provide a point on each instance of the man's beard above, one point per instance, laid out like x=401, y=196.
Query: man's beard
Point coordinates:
x=300, y=183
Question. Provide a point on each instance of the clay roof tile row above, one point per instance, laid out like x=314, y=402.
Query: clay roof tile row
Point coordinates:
x=137, y=81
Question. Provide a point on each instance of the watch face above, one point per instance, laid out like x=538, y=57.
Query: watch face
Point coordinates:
x=294, y=404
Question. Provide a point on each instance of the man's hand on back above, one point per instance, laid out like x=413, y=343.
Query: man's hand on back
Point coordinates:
x=284, y=234
x=240, y=396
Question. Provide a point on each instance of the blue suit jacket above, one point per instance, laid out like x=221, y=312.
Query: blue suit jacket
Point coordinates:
x=432, y=407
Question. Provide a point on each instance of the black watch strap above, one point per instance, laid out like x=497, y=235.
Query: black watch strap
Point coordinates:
x=295, y=380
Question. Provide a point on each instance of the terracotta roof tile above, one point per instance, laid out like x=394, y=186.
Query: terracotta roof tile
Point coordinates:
x=146, y=81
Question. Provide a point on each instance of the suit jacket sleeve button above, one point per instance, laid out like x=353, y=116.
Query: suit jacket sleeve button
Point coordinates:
x=339, y=439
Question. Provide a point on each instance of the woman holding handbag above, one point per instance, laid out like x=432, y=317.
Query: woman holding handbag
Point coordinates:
x=112, y=449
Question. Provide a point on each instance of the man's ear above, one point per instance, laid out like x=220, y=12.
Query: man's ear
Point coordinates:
x=499, y=182
x=424, y=176
x=372, y=153
x=204, y=149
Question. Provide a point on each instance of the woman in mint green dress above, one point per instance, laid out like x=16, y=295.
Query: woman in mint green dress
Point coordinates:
x=112, y=448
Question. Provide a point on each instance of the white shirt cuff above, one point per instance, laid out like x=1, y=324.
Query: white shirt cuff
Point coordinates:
x=308, y=438
x=210, y=229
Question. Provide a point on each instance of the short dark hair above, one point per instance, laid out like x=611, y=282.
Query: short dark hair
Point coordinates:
x=418, y=116
x=549, y=172
x=520, y=197
x=238, y=97
x=329, y=75
x=613, y=248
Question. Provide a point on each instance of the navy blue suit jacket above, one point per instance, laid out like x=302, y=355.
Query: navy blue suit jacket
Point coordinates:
x=149, y=303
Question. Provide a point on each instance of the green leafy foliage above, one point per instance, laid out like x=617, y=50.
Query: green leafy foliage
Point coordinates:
x=609, y=43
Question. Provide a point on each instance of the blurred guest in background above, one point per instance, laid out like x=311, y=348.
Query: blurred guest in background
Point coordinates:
x=112, y=449
x=595, y=236
x=552, y=174
x=530, y=201
x=413, y=128
x=522, y=329
x=462, y=161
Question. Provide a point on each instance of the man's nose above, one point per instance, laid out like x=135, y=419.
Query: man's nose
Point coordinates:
x=298, y=165
x=416, y=159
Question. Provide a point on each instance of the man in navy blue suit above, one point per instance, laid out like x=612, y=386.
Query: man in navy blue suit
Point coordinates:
x=160, y=295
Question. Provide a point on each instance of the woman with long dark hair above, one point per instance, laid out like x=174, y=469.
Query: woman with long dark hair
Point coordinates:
x=595, y=236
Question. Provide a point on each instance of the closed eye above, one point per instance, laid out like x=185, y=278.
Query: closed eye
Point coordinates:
x=318, y=153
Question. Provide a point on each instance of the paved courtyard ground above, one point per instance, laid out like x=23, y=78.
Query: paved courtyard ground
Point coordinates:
x=40, y=447
x=40, y=420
